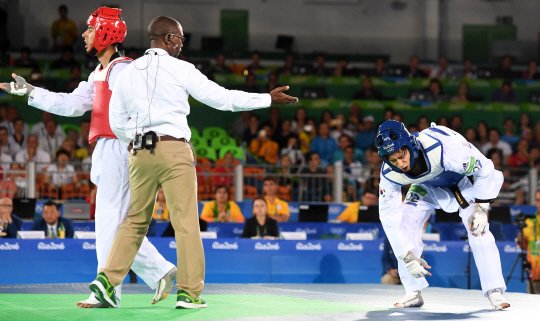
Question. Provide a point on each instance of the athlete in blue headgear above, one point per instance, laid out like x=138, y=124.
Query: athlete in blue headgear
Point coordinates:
x=441, y=166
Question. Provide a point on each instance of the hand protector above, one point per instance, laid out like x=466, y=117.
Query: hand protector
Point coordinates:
x=20, y=87
x=478, y=221
x=416, y=266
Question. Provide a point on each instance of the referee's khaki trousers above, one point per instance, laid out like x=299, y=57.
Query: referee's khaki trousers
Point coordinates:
x=172, y=166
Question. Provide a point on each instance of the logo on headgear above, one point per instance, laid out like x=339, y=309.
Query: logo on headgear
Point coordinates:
x=389, y=148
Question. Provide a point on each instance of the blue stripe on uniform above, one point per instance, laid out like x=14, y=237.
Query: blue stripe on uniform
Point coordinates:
x=438, y=131
x=411, y=203
x=432, y=147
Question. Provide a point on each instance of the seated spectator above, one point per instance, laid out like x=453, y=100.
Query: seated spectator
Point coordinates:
x=470, y=136
x=33, y=154
x=530, y=241
x=12, y=116
x=5, y=160
x=398, y=117
x=292, y=152
x=161, y=212
x=534, y=155
x=463, y=94
x=66, y=61
x=380, y=68
x=505, y=94
x=9, y=222
x=87, y=162
x=221, y=209
x=344, y=142
x=80, y=152
x=287, y=170
x=455, y=123
x=327, y=117
x=18, y=137
x=52, y=224
x=423, y=123
x=19, y=180
x=532, y=71
x=264, y=147
x=25, y=61
x=414, y=68
x=510, y=194
x=286, y=70
x=505, y=70
x=74, y=80
x=313, y=185
x=496, y=157
x=285, y=135
x=496, y=142
x=339, y=129
x=273, y=82
x=260, y=225
x=342, y=68
x=469, y=71
x=521, y=157
x=443, y=121
x=227, y=167
x=274, y=121
x=255, y=65
x=220, y=67
x=442, y=71
x=8, y=187
x=320, y=68
x=368, y=92
x=482, y=133
x=39, y=128
x=435, y=90
x=388, y=113
x=252, y=131
x=84, y=135
x=352, y=169
x=390, y=265
x=350, y=214
x=52, y=141
x=299, y=121
x=62, y=173
x=366, y=133
x=277, y=208
x=509, y=132
x=241, y=123
x=6, y=147
x=324, y=145
x=307, y=134
x=249, y=86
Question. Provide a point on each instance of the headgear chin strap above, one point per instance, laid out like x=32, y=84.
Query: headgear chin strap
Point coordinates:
x=110, y=28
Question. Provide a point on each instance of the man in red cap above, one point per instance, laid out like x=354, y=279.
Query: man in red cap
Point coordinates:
x=110, y=158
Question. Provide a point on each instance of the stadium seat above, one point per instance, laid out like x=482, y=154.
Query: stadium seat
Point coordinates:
x=66, y=127
x=206, y=152
x=220, y=161
x=238, y=152
x=194, y=132
x=223, y=141
x=249, y=192
x=210, y=133
x=284, y=193
x=198, y=142
x=254, y=172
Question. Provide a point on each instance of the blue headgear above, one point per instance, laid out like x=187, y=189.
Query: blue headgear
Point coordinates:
x=391, y=137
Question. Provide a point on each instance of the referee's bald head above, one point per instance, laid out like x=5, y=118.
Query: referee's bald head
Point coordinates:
x=163, y=25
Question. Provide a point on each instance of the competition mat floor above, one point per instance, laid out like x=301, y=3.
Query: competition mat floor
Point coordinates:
x=294, y=302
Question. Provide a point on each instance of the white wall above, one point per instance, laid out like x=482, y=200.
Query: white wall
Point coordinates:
x=367, y=26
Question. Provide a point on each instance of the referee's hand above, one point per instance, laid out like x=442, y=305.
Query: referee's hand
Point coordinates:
x=279, y=98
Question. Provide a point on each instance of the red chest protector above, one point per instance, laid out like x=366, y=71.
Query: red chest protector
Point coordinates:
x=99, y=123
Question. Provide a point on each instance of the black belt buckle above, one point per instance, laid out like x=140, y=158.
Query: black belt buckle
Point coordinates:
x=459, y=198
x=149, y=141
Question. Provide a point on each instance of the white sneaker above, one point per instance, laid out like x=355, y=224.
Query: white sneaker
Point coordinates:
x=164, y=286
x=497, y=300
x=92, y=303
x=411, y=300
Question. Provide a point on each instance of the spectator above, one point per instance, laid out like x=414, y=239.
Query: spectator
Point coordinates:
x=495, y=142
x=398, y=117
x=443, y=121
x=250, y=86
x=264, y=147
x=530, y=241
x=255, y=65
x=505, y=94
x=414, y=68
x=300, y=118
x=221, y=209
x=226, y=168
x=63, y=30
x=534, y=155
x=388, y=113
x=352, y=169
x=524, y=121
x=505, y=70
x=8, y=187
x=344, y=142
x=260, y=225
x=52, y=224
x=18, y=137
x=75, y=78
x=87, y=162
x=273, y=82
x=161, y=212
x=307, y=134
x=482, y=130
x=286, y=70
x=5, y=161
x=532, y=71
x=469, y=71
x=12, y=116
x=463, y=93
x=26, y=61
x=413, y=128
x=52, y=141
x=509, y=194
x=350, y=214
x=220, y=67
x=509, y=132
x=320, y=68
x=62, y=173
x=293, y=152
x=287, y=169
x=496, y=156
x=274, y=121
x=470, y=135
x=313, y=185
x=277, y=209
x=241, y=123
x=380, y=68
x=456, y=122
x=39, y=128
x=442, y=71
x=9, y=222
x=435, y=89
x=339, y=129
x=521, y=157
x=324, y=145
x=327, y=187
x=390, y=265
x=327, y=117
x=366, y=133
x=34, y=154
x=85, y=134
x=252, y=131
x=7, y=148
x=66, y=61
x=342, y=68
x=423, y=123
x=79, y=152
x=527, y=134
x=368, y=92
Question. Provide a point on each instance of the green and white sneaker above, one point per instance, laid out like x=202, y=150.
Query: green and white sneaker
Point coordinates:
x=186, y=301
x=103, y=290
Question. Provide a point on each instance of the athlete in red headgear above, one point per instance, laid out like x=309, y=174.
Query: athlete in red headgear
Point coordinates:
x=106, y=30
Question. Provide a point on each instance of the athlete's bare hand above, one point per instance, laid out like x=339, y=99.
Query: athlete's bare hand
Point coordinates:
x=279, y=98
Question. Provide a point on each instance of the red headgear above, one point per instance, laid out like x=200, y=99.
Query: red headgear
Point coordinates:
x=110, y=28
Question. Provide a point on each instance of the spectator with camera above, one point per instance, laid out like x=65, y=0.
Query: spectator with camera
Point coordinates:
x=264, y=147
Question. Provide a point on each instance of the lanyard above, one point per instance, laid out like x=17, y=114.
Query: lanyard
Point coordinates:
x=216, y=211
x=259, y=229
x=49, y=142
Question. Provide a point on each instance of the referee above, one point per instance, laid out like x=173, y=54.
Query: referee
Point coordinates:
x=148, y=110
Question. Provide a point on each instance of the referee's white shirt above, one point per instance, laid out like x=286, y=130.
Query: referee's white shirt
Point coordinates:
x=151, y=94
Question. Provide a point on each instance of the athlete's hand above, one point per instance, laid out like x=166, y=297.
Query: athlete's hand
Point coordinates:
x=478, y=221
x=19, y=87
x=416, y=266
x=279, y=98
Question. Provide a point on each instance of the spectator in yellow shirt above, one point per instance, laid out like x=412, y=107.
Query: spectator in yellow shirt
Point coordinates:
x=277, y=209
x=264, y=147
x=221, y=209
x=161, y=212
x=350, y=214
x=532, y=244
x=63, y=30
